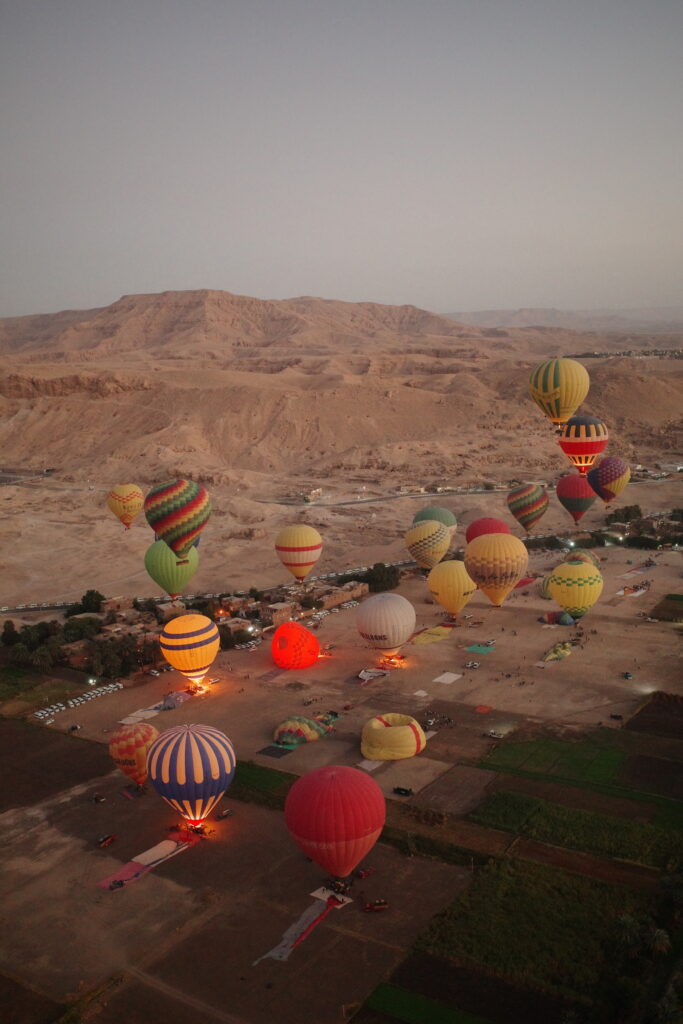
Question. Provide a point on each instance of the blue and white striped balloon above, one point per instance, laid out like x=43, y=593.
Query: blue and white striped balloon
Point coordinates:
x=191, y=766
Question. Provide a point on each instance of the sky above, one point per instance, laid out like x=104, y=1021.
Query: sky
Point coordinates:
x=453, y=154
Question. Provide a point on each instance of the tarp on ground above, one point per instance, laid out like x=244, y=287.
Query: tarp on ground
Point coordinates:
x=481, y=648
x=558, y=651
x=447, y=677
x=431, y=635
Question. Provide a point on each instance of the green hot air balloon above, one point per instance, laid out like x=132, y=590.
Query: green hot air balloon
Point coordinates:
x=171, y=572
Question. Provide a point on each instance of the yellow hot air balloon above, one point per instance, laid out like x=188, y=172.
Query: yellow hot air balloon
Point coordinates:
x=558, y=387
x=125, y=501
x=299, y=547
x=575, y=586
x=190, y=643
x=428, y=542
x=451, y=585
x=496, y=562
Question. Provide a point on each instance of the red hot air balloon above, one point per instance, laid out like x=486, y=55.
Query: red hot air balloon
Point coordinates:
x=335, y=815
x=575, y=494
x=486, y=525
x=582, y=439
x=294, y=646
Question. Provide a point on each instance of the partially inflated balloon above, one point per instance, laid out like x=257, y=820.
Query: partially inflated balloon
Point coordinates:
x=441, y=515
x=427, y=542
x=575, y=494
x=294, y=646
x=191, y=766
x=128, y=748
x=575, y=586
x=609, y=478
x=386, y=621
x=299, y=547
x=335, y=816
x=581, y=555
x=527, y=504
x=485, y=525
x=451, y=585
x=558, y=387
x=125, y=501
x=582, y=439
x=190, y=643
x=178, y=511
x=168, y=570
x=496, y=562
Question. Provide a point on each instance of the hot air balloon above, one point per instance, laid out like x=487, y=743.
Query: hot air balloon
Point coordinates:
x=528, y=504
x=128, y=748
x=609, y=477
x=386, y=621
x=191, y=766
x=178, y=511
x=190, y=643
x=575, y=586
x=441, y=515
x=294, y=646
x=575, y=494
x=543, y=588
x=582, y=439
x=581, y=555
x=428, y=542
x=558, y=387
x=392, y=737
x=168, y=570
x=451, y=585
x=299, y=547
x=496, y=562
x=335, y=816
x=485, y=525
x=125, y=501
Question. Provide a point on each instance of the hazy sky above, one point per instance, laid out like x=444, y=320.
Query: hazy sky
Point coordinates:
x=455, y=154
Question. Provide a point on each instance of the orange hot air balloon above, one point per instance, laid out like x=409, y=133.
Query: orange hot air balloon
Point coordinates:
x=299, y=547
x=294, y=646
x=335, y=815
x=190, y=643
x=128, y=748
x=125, y=501
x=496, y=562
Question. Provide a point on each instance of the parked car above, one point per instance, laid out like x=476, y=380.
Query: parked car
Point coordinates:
x=471, y=664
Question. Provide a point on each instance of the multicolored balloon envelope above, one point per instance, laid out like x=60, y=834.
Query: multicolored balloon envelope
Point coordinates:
x=575, y=585
x=451, y=585
x=386, y=621
x=485, y=525
x=171, y=572
x=527, y=504
x=128, y=748
x=294, y=646
x=558, y=387
x=125, y=501
x=441, y=515
x=392, y=737
x=299, y=547
x=178, y=511
x=335, y=816
x=191, y=766
x=575, y=493
x=496, y=562
x=609, y=477
x=581, y=555
x=582, y=439
x=190, y=643
x=428, y=541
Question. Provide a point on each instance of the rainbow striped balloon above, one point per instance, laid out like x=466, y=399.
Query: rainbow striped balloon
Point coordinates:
x=527, y=504
x=190, y=643
x=178, y=511
x=609, y=477
x=191, y=766
x=299, y=547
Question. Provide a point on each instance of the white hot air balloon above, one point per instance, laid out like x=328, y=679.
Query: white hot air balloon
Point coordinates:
x=386, y=621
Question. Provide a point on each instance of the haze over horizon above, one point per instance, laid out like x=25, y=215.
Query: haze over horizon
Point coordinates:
x=446, y=155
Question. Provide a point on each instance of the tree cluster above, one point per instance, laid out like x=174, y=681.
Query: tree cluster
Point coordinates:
x=90, y=602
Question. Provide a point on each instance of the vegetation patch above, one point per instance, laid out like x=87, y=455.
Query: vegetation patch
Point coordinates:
x=256, y=784
x=538, y=927
x=400, y=1004
x=581, y=830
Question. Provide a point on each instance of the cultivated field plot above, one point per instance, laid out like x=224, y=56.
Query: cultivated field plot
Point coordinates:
x=661, y=716
x=538, y=928
x=580, y=830
x=609, y=761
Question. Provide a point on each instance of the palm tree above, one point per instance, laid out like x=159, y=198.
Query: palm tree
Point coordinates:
x=657, y=941
x=628, y=932
x=42, y=658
